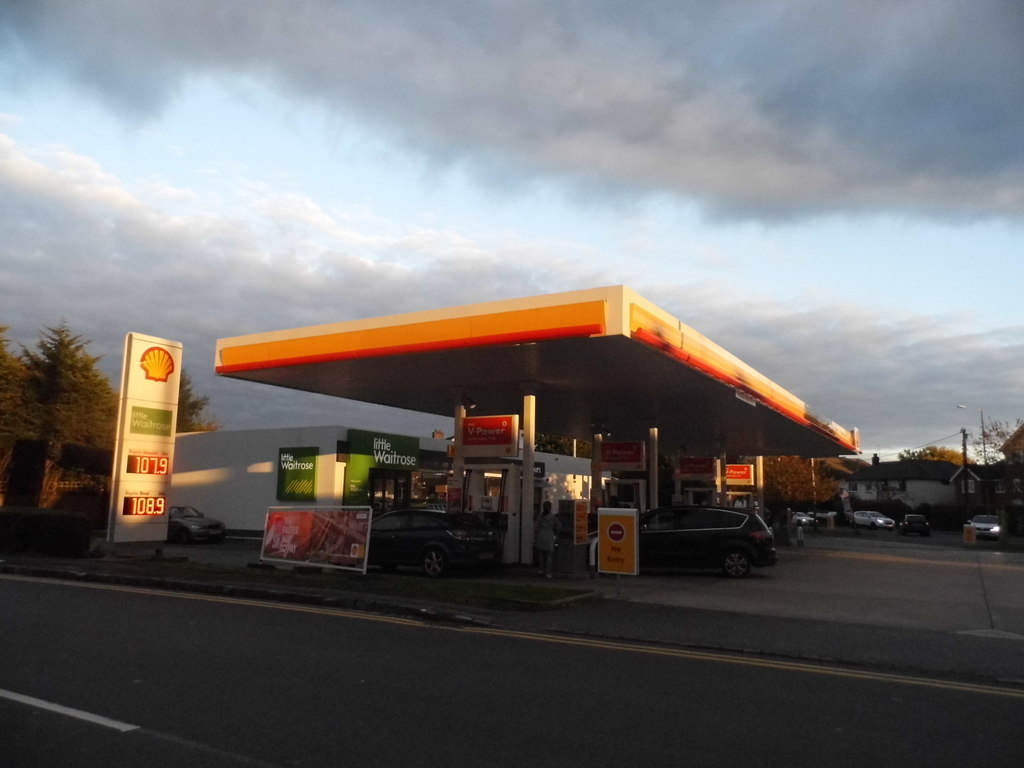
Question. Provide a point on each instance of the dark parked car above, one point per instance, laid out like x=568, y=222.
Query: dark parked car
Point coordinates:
x=915, y=524
x=186, y=525
x=432, y=540
x=706, y=537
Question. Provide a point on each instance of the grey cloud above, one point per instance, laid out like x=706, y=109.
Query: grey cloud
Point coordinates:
x=126, y=265
x=898, y=379
x=756, y=108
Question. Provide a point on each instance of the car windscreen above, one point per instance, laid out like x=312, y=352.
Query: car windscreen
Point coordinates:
x=466, y=520
x=986, y=519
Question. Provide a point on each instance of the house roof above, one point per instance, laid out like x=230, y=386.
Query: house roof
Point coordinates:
x=994, y=471
x=916, y=469
x=1014, y=443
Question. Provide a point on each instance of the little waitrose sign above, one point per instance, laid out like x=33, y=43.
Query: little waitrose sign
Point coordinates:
x=490, y=436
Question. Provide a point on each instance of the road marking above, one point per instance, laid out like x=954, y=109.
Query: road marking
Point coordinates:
x=997, y=633
x=727, y=658
x=78, y=714
x=614, y=645
x=252, y=602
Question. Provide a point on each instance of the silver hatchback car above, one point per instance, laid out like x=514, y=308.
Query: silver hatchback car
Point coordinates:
x=186, y=525
x=865, y=518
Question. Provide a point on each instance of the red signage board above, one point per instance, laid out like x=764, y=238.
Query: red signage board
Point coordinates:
x=490, y=436
x=624, y=456
x=696, y=465
x=739, y=474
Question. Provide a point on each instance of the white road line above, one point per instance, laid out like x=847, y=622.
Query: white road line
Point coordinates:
x=79, y=714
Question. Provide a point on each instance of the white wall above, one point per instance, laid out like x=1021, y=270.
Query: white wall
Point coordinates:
x=232, y=476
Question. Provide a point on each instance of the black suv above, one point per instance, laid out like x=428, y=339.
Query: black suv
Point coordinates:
x=432, y=540
x=914, y=524
x=706, y=537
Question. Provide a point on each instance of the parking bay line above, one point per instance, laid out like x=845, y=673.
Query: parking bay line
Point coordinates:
x=78, y=714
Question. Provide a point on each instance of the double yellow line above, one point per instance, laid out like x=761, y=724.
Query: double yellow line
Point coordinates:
x=581, y=642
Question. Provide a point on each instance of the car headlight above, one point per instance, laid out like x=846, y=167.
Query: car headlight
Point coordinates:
x=995, y=529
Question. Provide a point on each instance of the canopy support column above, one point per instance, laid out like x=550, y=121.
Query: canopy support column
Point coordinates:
x=526, y=495
x=458, y=464
x=652, y=469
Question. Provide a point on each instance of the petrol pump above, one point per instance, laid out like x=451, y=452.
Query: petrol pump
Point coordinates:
x=627, y=493
x=492, y=492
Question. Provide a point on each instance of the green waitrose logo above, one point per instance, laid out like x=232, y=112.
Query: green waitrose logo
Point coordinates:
x=387, y=451
x=151, y=421
x=296, y=474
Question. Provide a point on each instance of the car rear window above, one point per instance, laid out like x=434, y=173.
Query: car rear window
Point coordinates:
x=694, y=519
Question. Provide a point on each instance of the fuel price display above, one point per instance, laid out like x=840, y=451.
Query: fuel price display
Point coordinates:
x=148, y=464
x=144, y=505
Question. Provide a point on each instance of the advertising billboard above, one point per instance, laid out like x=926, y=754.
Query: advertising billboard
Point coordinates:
x=332, y=537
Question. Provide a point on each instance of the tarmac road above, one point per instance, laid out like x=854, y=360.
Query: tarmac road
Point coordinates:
x=876, y=599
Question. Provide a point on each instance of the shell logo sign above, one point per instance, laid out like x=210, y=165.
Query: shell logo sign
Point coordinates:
x=144, y=445
x=157, y=364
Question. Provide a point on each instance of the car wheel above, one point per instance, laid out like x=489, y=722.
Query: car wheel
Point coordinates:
x=181, y=536
x=735, y=564
x=435, y=562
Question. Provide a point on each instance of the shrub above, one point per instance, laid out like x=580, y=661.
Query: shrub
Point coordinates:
x=44, y=532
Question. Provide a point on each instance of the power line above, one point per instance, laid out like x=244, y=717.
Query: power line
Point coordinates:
x=926, y=445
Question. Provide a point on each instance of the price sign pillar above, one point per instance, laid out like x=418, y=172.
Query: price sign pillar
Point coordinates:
x=144, y=448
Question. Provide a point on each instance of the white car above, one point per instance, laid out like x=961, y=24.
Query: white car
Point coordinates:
x=866, y=518
x=803, y=518
x=985, y=526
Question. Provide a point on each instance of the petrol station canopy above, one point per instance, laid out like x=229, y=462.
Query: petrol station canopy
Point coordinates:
x=599, y=361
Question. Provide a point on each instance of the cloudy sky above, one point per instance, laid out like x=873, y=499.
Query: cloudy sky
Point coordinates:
x=834, y=192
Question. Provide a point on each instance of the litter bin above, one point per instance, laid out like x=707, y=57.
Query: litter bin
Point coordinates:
x=970, y=536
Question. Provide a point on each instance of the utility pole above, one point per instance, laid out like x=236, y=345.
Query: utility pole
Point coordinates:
x=967, y=505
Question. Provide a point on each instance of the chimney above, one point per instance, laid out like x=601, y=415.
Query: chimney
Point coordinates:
x=875, y=460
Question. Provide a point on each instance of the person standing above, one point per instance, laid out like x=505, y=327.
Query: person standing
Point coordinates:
x=548, y=527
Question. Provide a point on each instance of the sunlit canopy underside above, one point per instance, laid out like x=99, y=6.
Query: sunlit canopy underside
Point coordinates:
x=603, y=359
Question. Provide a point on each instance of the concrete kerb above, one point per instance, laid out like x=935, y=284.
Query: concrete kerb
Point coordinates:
x=334, y=599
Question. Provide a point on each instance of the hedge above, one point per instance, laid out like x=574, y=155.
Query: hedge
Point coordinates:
x=44, y=532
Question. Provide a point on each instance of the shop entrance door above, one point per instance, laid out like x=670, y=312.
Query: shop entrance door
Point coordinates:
x=389, y=489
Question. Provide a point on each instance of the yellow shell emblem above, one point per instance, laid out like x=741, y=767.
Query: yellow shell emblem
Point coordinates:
x=157, y=364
